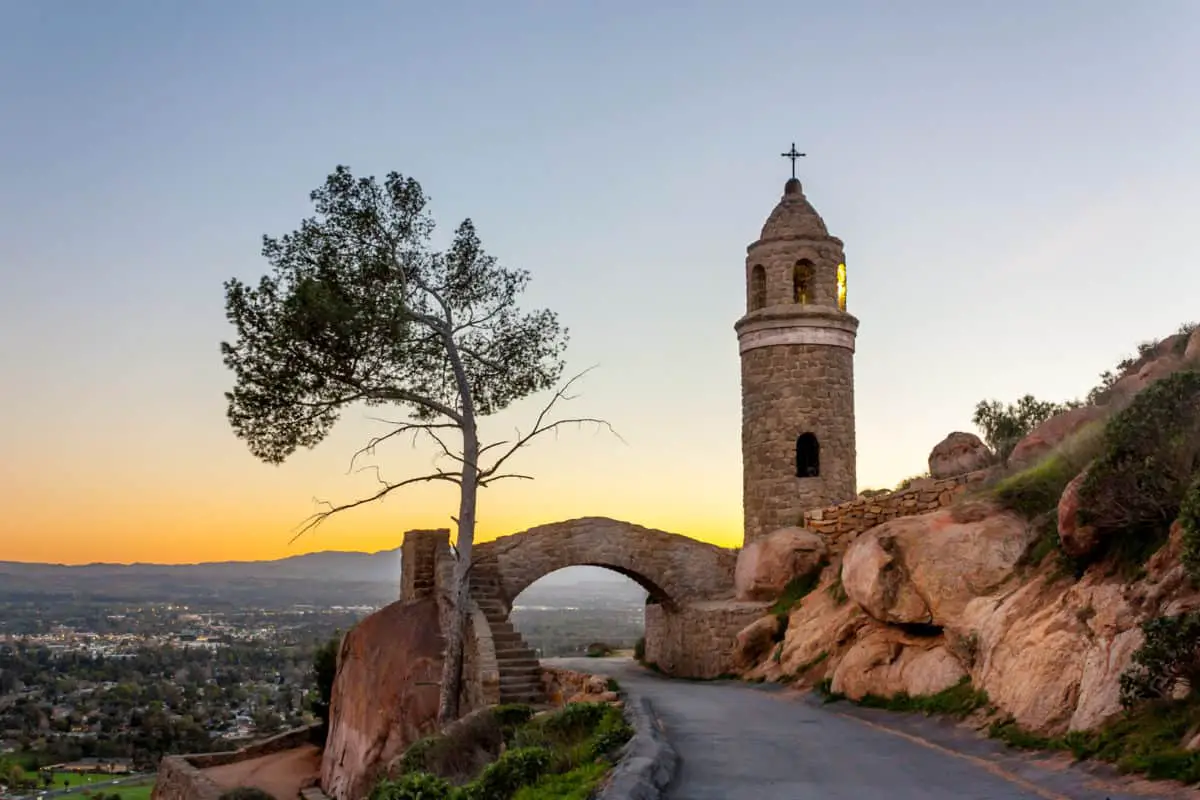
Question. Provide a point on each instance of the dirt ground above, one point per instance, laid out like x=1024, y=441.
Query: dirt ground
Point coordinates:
x=279, y=774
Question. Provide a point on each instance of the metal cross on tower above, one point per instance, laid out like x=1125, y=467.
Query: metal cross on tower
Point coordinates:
x=793, y=155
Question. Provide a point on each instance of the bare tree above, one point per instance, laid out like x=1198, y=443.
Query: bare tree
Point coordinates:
x=359, y=309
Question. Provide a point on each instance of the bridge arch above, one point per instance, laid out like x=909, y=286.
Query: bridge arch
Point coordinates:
x=673, y=569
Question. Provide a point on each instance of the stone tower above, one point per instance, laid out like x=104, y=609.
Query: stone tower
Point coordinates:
x=797, y=348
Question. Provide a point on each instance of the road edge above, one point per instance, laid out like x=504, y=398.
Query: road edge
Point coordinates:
x=648, y=763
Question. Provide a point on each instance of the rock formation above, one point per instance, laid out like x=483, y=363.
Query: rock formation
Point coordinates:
x=765, y=566
x=917, y=603
x=385, y=695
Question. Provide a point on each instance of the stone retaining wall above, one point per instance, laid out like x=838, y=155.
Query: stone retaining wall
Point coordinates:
x=697, y=640
x=840, y=524
x=183, y=778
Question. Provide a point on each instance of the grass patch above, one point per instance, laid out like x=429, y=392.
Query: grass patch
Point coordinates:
x=1147, y=740
x=1035, y=491
x=837, y=591
x=957, y=701
x=797, y=589
x=564, y=753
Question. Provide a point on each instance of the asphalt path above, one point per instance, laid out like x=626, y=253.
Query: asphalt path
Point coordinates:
x=739, y=741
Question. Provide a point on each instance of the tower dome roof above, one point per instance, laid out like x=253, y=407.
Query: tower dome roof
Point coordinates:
x=794, y=217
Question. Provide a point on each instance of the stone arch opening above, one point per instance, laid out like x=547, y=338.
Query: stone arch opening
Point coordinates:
x=802, y=281
x=581, y=610
x=758, y=287
x=808, y=456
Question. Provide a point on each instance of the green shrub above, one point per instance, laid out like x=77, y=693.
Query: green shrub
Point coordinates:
x=325, y=671
x=598, y=650
x=511, y=715
x=1189, y=520
x=1005, y=425
x=578, y=784
x=500, y=780
x=1169, y=655
x=1150, y=451
x=415, y=786
x=460, y=752
x=639, y=650
x=957, y=701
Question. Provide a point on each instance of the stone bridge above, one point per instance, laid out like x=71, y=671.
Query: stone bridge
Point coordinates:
x=691, y=617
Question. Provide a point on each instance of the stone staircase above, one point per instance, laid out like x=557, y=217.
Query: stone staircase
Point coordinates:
x=520, y=673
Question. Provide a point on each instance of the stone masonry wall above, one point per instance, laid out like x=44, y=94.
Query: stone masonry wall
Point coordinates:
x=418, y=561
x=840, y=524
x=481, y=672
x=670, y=566
x=697, y=640
x=788, y=390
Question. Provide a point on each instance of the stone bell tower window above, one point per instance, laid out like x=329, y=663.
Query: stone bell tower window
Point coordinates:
x=802, y=281
x=808, y=456
x=758, y=287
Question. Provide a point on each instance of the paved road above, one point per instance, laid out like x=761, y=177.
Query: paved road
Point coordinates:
x=743, y=742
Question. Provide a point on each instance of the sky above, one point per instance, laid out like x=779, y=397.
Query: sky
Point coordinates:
x=1016, y=185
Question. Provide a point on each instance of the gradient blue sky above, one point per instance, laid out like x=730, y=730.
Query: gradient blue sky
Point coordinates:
x=1017, y=185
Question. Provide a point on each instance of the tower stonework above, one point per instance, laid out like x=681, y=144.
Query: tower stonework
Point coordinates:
x=797, y=350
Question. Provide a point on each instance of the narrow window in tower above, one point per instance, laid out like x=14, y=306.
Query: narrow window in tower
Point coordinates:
x=841, y=278
x=802, y=280
x=758, y=287
x=808, y=456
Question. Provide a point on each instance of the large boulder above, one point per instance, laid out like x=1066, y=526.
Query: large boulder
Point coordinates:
x=1191, y=352
x=958, y=454
x=884, y=662
x=1076, y=539
x=385, y=695
x=764, y=567
x=927, y=568
x=1053, y=432
x=754, y=640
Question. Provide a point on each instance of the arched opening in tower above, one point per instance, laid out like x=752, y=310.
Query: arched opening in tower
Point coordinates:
x=808, y=456
x=802, y=281
x=758, y=287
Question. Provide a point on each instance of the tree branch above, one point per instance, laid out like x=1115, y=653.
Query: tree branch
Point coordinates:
x=317, y=519
x=541, y=426
x=401, y=429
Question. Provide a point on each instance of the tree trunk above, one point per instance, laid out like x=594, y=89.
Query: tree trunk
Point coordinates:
x=452, y=667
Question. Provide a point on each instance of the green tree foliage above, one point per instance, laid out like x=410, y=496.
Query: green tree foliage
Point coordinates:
x=1005, y=425
x=324, y=670
x=1169, y=657
x=1189, y=521
x=359, y=309
x=1149, y=455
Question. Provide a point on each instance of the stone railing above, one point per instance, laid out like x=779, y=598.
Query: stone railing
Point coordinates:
x=481, y=671
x=840, y=524
x=182, y=777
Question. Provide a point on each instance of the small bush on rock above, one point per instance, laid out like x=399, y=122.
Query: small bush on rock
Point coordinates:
x=1150, y=451
x=1003, y=426
x=1169, y=657
x=797, y=589
x=415, y=786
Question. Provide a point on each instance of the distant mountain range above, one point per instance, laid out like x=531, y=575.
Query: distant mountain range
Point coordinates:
x=330, y=565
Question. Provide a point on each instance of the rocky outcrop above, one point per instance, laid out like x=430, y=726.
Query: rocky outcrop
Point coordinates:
x=563, y=686
x=926, y=569
x=1075, y=538
x=765, y=566
x=754, y=640
x=385, y=695
x=958, y=454
x=884, y=662
x=1191, y=353
x=1053, y=432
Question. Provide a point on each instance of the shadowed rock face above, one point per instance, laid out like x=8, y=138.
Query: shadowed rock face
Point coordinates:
x=385, y=696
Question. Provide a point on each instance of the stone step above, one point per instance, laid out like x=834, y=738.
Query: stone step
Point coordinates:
x=510, y=638
x=516, y=654
x=528, y=698
x=509, y=664
x=313, y=793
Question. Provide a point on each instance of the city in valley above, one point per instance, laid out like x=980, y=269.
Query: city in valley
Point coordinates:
x=105, y=669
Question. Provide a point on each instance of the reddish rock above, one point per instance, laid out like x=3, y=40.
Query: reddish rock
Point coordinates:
x=1192, y=353
x=385, y=695
x=1053, y=432
x=754, y=640
x=958, y=454
x=1124, y=390
x=765, y=566
x=1077, y=540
